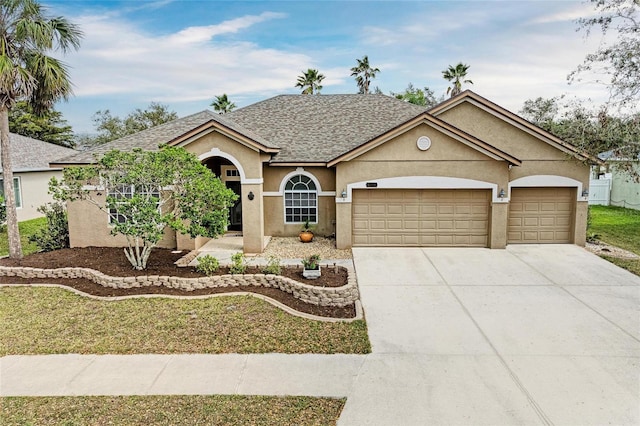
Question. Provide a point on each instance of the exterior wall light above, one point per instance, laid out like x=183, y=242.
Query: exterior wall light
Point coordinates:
x=344, y=194
x=250, y=196
x=502, y=193
x=585, y=193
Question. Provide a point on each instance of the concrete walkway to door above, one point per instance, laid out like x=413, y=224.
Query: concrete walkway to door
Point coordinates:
x=527, y=335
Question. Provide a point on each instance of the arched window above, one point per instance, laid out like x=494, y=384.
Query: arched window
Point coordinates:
x=300, y=200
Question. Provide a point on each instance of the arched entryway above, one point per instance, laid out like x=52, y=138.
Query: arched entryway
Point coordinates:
x=230, y=176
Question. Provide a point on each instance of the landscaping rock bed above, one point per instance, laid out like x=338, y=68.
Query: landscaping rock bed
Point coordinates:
x=106, y=272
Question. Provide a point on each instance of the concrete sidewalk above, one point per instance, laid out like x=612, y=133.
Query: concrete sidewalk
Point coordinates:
x=254, y=374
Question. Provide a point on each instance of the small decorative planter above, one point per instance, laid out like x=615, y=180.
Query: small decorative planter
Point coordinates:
x=306, y=233
x=311, y=274
x=306, y=236
x=311, y=266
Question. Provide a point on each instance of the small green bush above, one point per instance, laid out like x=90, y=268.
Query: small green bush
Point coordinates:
x=55, y=235
x=273, y=266
x=239, y=265
x=207, y=265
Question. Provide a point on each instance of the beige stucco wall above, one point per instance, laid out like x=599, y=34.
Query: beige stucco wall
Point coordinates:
x=274, y=204
x=89, y=227
x=538, y=157
x=400, y=157
x=250, y=161
x=34, y=188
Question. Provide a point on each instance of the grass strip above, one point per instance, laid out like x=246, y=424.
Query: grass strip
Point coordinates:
x=631, y=265
x=26, y=228
x=619, y=227
x=170, y=410
x=41, y=320
x=616, y=226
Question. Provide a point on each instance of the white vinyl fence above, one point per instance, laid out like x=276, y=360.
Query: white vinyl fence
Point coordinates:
x=600, y=191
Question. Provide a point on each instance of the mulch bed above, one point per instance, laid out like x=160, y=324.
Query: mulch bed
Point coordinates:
x=112, y=261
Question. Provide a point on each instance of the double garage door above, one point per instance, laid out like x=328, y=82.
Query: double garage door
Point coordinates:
x=459, y=217
x=421, y=217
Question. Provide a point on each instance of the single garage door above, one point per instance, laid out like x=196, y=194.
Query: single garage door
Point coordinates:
x=421, y=217
x=541, y=215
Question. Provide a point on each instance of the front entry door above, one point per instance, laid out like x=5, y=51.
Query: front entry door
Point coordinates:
x=235, y=212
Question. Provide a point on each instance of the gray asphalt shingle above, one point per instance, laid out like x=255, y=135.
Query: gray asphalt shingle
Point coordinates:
x=319, y=128
x=306, y=128
x=29, y=154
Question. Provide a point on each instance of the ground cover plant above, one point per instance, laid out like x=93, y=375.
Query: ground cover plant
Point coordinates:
x=619, y=227
x=45, y=320
x=220, y=410
x=27, y=229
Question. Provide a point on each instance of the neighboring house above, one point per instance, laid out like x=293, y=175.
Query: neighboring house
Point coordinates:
x=375, y=171
x=623, y=190
x=31, y=172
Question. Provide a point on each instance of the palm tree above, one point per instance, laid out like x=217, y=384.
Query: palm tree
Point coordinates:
x=310, y=81
x=457, y=75
x=222, y=104
x=363, y=74
x=27, y=36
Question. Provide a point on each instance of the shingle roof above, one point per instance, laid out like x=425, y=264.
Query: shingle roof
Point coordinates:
x=319, y=128
x=29, y=154
x=152, y=138
x=306, y=128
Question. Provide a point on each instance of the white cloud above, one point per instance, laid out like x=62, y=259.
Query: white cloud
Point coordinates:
x=119, y=58
x=205, y=33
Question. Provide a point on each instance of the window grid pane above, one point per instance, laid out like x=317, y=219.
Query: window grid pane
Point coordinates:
x=300, y=200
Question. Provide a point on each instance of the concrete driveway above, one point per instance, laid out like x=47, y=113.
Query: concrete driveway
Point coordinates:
x=527, y=335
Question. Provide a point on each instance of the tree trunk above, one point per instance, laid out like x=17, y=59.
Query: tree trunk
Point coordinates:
x=15, y=247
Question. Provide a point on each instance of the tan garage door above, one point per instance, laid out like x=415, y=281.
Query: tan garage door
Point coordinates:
x=421, y=217
x=541, y=215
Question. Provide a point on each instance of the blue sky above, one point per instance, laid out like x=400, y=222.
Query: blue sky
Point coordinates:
x=184, y=52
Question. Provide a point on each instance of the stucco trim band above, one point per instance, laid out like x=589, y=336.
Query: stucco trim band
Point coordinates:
x=548, y=181
x=216, y=152
x=423, y=182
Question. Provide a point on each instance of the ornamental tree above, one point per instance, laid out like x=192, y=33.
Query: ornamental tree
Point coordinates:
x=144, y=192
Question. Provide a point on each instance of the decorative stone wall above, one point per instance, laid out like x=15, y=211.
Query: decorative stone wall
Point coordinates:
x=321, y=296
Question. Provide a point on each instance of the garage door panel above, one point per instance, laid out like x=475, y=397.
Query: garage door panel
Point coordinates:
x=541, y=215
x=423, y=218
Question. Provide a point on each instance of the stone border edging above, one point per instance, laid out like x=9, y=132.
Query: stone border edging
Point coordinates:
x=319, y=296
x=287, y=309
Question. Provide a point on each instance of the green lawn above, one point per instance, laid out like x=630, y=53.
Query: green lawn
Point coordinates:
x=27, y=228
x=619, y=227
x=44, y=320
x=220, y=410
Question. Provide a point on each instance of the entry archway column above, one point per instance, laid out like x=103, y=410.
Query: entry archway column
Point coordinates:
x=252, y=217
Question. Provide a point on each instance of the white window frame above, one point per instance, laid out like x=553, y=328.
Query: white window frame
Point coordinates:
x=312, y=202
x=17, y=189
x=126, y=192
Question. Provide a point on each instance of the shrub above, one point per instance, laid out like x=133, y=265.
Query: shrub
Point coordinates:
x=207, y=265
x=273, y=266
x=55, y=235
x=239, y=265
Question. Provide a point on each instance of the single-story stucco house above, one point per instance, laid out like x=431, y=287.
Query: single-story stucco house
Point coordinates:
x=30, y=160
x=374, y=171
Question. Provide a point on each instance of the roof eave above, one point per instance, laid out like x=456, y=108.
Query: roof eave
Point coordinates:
x=213, y=124
x=520, y=122
x=440, y=125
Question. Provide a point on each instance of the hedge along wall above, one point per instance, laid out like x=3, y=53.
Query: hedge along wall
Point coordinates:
x=321, y=296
